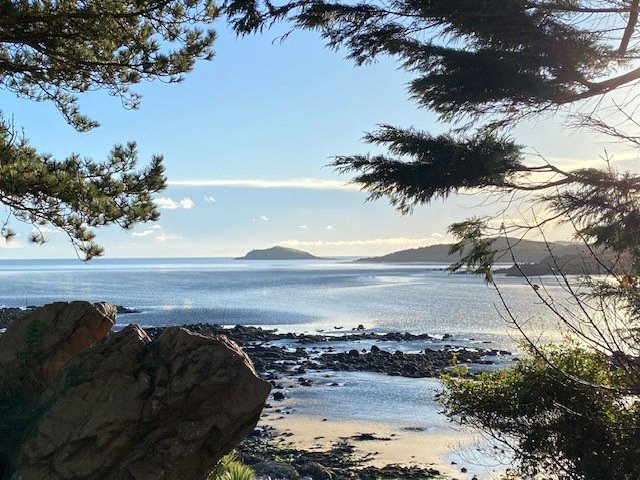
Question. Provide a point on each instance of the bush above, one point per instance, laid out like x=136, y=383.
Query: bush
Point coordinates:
x=229, y=468
x=561, y=411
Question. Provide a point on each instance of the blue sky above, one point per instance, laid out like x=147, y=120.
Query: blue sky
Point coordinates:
x=246, y=139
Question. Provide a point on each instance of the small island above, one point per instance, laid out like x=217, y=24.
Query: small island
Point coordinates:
x=278, y=253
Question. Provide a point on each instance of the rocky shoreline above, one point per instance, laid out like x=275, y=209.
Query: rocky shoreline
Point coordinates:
x=286, y=359
x=315, y=352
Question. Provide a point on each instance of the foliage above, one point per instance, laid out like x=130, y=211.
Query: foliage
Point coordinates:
x=427, y=167
x=553, y=415
x=53, y=50
x=76, y=193
x=487, y=63
x=522, y=55
x=229, y=468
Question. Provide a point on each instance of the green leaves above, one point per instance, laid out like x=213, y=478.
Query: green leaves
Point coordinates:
x=470, y=58
x=561, y=410
x=75, y=194
x=421, y=167
x=53, y=50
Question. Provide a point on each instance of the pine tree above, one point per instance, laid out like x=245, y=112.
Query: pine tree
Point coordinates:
x=51, y=51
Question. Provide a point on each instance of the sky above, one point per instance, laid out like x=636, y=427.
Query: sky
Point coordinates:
x=247, y=138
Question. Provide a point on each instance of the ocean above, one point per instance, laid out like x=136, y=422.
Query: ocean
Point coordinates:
x=288, y=295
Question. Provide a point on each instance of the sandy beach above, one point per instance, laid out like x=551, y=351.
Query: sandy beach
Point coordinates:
x=456, y=453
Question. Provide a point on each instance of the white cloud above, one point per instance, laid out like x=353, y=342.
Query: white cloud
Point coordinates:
x=394, y=241
x=187, y=203
x=142, y=234
x=264, y=218
x=303, y=227
x=329, y=227
x=164, y=237
x=170, y=204
x=302, y=183
x=437, y=235
x=209, y=199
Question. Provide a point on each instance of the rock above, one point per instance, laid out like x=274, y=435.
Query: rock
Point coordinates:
x=129, y=408
x=120, y=406
x=305, y=382
x=315, y=471
x=360, y=327
x=122, y=310
x=275, y=470
x=36, y=346
x=354, y=353
x=278, y=396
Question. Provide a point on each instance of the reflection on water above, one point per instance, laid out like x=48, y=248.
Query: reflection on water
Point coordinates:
x=299, y=295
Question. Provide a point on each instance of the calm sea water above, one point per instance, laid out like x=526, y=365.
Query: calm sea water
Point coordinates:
x=288, y=295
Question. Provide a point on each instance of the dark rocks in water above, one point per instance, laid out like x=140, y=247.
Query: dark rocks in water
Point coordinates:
x=121, y=310
x=244, y=334
x=338, y=462
x=305, y=382
x=279, y=396
x=121, y=405
x=271, y=359
x=431, y=363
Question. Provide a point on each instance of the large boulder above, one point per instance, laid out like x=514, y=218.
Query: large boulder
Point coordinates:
x=129, y=408
x=36, y=346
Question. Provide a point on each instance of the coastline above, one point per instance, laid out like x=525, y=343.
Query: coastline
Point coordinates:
x=369, y=396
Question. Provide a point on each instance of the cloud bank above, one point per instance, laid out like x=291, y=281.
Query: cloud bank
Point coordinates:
x=298, y=183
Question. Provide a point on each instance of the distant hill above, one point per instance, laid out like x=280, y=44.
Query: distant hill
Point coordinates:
x=573, y=264
x=525, y=251
x=278, y=253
